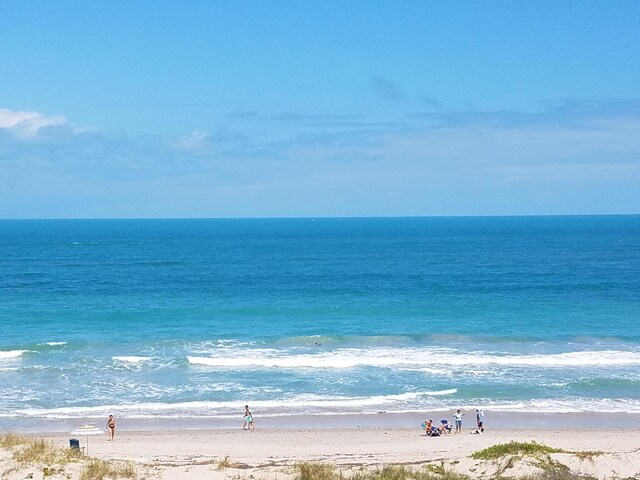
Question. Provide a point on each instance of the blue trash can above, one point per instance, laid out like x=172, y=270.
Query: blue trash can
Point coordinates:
x=74, y=443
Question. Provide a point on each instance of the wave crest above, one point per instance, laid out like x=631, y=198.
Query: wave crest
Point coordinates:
x=8, y=354
x=418, y=358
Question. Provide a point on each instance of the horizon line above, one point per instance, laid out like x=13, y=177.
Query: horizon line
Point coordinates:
x=338, y=217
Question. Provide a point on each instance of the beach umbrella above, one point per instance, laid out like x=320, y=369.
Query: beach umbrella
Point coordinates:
x=87, y=430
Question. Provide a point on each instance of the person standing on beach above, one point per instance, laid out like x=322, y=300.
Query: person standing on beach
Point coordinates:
x=248, y=419
x=479, y=420
x=458, y=420
x=111, y=427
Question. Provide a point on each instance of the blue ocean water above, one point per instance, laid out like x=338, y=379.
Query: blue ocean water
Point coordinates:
x=191, y=319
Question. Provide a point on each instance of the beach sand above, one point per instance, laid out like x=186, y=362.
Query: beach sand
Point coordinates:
x=271, y=453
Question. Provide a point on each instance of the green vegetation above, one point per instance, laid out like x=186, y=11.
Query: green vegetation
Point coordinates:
x=43, y=454
x=10, y=440
x=27, y=452
x=50, y=472
x=323, y=471
x=515, y=448
x=41, y=451
x=226, y=462
x=508, y=454
x=588, y=454
x=555, y=475
x=437, y=469
x=316, y=471
x=550, y=470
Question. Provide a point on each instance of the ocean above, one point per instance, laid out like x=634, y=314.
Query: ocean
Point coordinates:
x=189, y=320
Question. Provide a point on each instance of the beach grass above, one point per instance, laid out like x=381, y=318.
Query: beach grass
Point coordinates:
x=317, y=471
x=513, y=449
x=100, y=469
x=10, y=440
x=505, y=461
x=226, y=462
x=29, y=451
x=324, y=471
x=588, y=454
x=514, y=455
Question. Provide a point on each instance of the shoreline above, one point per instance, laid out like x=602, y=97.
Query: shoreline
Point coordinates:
x=499, y=420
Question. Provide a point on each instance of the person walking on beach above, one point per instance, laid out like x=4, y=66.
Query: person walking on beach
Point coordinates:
x=479, y=420
x=111, y=427
x=458, y=421
x=248, y=419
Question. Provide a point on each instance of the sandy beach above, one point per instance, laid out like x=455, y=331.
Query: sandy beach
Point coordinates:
x=271, y=453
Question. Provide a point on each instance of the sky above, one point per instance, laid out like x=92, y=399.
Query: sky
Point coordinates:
x=289, y=108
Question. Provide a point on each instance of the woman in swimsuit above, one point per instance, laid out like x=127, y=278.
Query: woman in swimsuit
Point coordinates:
x=111, y=427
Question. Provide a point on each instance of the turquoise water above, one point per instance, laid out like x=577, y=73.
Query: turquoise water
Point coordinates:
x=191, y=319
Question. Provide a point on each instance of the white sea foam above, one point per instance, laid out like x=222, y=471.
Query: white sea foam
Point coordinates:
x=569, y=405
x=601, y=358
x=417, y=358
x=54, y=344
x=439, y=393
x=131, y=359
x=9, y=354
x=300, y=403
x=324, y=360
x=327, y=405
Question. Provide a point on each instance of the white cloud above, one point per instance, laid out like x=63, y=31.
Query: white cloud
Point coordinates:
x=583, y=159
x=194, y=142
x=26, y=124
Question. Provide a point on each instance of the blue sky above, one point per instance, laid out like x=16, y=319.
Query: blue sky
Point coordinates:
x=318, y=108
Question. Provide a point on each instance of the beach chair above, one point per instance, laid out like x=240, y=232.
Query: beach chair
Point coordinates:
x=446, y=426
x=74, y=444
x=430, y=429
x=434, y=432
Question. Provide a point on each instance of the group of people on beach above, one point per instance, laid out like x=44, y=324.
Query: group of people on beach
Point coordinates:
x=445, y=427
x=430, y=429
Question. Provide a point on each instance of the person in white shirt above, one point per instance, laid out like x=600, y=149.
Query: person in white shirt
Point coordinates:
x=458, y=421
